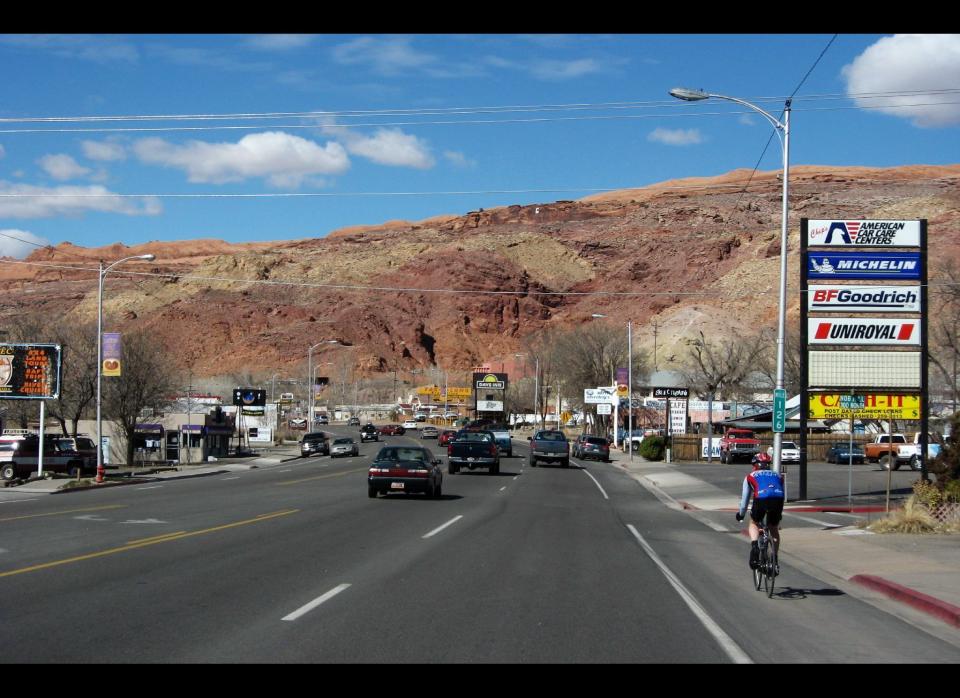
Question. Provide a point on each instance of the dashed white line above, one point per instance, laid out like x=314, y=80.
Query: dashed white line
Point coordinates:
x=733, y=650
x=316, y=602
x=152, y=487
x=230, y=478
x=440, y=528
x=503, y=488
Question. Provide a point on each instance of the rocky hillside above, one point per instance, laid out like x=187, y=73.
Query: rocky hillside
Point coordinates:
x=694, y=254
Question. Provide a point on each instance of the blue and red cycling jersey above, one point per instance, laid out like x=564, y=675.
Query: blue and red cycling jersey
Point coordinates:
x=762, y=484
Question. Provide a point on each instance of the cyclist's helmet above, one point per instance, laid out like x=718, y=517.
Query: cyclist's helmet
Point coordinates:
x=762, y=461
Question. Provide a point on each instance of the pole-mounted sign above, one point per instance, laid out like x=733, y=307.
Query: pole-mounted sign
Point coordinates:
x=29, y=371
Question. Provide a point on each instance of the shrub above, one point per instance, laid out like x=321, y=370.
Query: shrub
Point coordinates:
x=653, y=447
x=913, y=518
x=927, y=494
x=951, y=491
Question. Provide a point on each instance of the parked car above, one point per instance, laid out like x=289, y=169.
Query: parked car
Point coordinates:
x=368, y=432
x=353, y=422
x=392, y=430
x=19, y=457
x=411, y=424
x=789, y=452
x=429, y=432
x=406, y=469
x=322, y=419
x=445, y=436
x=315, y=443
x=344, y=446
x=83, y=445
x=587, y=446
x=840, y=453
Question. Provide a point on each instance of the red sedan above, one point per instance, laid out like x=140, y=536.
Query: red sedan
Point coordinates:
x=392, y=430
x=446, y=436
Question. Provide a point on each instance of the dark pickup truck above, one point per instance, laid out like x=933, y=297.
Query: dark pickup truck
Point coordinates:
x=473, y=449
x=550, y=446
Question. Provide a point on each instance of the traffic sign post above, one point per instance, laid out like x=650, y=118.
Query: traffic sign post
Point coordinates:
x=779, y=410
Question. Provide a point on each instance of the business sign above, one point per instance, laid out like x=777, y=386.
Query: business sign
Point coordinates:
x=672, y=393
x=112, y=353
x=865, y=369
x=250, y=397
x=705, y=447
x=599, y=396
x=863, y=331
x=863, y=299
x=863, y=265
x=29, y=371
x=490, y=381
x=436, y=392
x=863, y=233
x=869, y=406
x=604, y=408
x=489, y=406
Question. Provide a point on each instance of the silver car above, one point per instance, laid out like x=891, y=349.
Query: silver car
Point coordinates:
x=344, y=447
x=429, y=433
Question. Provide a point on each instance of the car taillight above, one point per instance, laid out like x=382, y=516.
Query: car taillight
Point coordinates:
x=449, y=448
x=493, y=450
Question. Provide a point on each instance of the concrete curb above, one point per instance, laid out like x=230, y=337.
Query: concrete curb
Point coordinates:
x=920, y=601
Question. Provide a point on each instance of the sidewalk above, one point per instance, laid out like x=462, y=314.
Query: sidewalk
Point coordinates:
x=918, y=570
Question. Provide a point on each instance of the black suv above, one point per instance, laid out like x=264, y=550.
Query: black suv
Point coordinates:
x=368, y=432
x=315, y=443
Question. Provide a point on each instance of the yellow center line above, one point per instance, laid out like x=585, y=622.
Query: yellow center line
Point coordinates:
x=145, y=542
x=319, y=477
x=66, y=511
x=154, y=538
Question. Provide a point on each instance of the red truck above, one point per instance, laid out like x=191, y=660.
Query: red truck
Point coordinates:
x=738, y=444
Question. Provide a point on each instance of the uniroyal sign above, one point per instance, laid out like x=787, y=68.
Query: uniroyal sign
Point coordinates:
x=863, y=233
x=864, y=299
x=863, y=331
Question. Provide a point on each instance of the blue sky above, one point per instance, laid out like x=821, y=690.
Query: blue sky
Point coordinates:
x=353, y=118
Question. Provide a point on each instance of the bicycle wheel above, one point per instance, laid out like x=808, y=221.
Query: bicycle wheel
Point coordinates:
x=758, y=573
x=771, y=574
x=765, y=567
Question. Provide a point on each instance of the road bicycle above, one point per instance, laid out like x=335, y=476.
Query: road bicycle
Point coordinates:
x=768, y=566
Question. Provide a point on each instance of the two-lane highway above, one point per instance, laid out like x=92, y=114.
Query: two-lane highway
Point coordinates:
x=294, y=563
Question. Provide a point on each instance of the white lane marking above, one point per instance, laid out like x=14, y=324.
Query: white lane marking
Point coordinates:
x=596, y=483
x=503, y=488
x=733, y=650
x=824, y=524
x=316, y=602
x=152, y=487
x=230, y=478
x=440, y=528
x=288, y=470
x=17, y=501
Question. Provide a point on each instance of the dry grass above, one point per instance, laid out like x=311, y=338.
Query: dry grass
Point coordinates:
x=912, y=518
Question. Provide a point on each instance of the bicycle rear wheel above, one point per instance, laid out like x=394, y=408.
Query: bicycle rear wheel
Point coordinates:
x=758, y=573
x=765, y=567
x=771, y=573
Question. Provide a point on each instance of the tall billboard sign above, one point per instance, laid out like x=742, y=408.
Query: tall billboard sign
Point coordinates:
x=489, y=391
x=29, y=371
x=862, y=322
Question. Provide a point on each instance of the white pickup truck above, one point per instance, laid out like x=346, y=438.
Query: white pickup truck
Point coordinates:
x=910, y=452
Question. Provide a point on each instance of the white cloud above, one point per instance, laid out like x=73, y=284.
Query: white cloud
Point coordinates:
x=28, y=201
x=99, y=48
x=3, y=152
x=279, y=42
x=62, y=167
x=565, y=70
x=387, y=146
x=909, y=62
x=16, y=243
x=458, y=159
x=678, y=136
x=284, y=160
x=103, y=151
x=390, y=56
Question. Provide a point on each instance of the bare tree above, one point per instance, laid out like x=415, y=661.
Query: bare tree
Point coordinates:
x=146, y=382
x=944, y=329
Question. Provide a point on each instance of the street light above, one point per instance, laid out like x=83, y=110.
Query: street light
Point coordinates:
x=310, y=379
x=101, y=274
x=629, y=382
x=689, y=95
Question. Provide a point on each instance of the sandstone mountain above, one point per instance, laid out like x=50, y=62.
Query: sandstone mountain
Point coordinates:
x=688, y=255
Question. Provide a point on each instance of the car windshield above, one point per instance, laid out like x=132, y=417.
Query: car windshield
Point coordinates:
x=399, y=453
x=474, y=436
x=597, y=440
x=788, y=444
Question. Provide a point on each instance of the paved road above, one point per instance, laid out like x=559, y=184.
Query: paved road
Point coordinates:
x=293, y=563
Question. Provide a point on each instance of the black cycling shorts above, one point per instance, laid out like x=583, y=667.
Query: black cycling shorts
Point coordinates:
x=771, y=508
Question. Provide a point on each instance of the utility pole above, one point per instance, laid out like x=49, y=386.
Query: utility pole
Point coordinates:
x=655, y=328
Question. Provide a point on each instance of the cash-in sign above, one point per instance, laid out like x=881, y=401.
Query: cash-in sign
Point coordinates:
x=867, y=406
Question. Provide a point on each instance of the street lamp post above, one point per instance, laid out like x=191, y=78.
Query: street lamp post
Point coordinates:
x=102, y=273
x=784, y=128
x=310, y=379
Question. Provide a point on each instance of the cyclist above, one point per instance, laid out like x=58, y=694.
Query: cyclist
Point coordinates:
x=767, y=489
